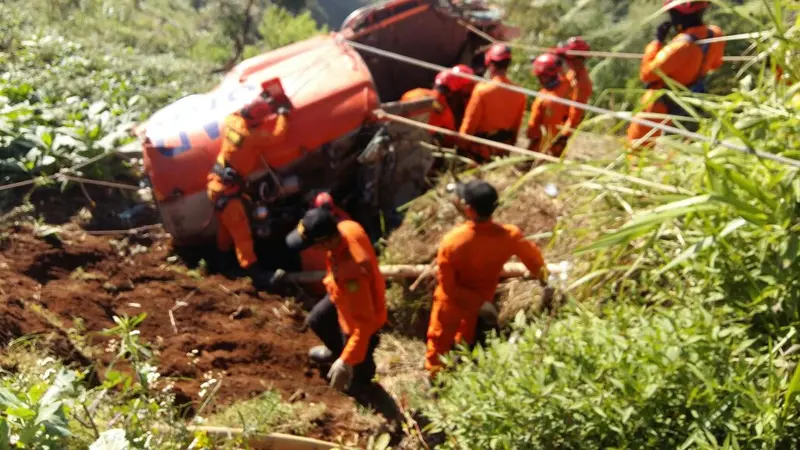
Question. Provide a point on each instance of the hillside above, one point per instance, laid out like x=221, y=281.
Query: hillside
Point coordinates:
x=674, y=324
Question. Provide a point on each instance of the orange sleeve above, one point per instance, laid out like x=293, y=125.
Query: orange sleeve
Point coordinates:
x=535, y=121
x=360, y=315
x=527, y=251
x=234, y=134
x=716, y=51
x=647, y=70
x=361, y=329
x=443, y=119
x=519, y=116
x=668, y=61
x=446, y=276
x=473, y=113
x=355, y=302
x=583, y=92
x=281, y=128
x=575, y=115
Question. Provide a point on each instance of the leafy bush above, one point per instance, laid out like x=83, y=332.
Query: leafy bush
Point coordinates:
x=622, y=377
x=279, y=28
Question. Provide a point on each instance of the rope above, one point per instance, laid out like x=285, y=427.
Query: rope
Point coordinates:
x=620, y=55
x=523, y=151
x=62, y=173
x=98, y=182
x=583, y=106
x=125, y=231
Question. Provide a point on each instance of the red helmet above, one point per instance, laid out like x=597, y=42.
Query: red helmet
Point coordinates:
x=255, y=111
x=453, y=82
x=686, y=6
x=547, y=65
x=322, y=199
x=575, y=43
x=497, y=53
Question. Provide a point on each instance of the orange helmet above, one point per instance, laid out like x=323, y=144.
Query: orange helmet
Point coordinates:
x=497, y=53
x=575, y=43
x=547, y=65
x=453, y=82
x=686, y=6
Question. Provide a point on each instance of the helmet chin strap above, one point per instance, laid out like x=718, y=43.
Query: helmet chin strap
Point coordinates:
x=553, y=82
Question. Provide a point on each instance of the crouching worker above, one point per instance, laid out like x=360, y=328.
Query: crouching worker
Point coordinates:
x=245, y=134
x=348, y=319
x=450, y=94
x=470, y=260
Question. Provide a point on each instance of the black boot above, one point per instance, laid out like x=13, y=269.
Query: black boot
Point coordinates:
x=321, y=355
x=264, y=280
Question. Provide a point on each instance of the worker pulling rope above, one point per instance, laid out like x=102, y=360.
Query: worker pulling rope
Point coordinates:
x=523, y=151
x=623, y=55
x=583, y=106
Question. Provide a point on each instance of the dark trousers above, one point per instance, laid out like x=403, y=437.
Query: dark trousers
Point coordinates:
x=324, y=322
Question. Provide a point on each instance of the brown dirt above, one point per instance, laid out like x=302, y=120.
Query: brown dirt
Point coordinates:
x=82, y=281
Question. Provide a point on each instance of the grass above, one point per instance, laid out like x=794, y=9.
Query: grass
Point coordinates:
x=268, y=413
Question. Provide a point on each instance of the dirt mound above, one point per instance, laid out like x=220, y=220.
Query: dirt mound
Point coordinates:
x=218, y=327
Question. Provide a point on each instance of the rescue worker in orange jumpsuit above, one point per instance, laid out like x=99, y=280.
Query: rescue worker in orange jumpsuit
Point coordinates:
x=470, y=260
x=682, y=59
x=449, y=93
x=244, y=136
x=577, y=75
x=350, y=316
x=314, y=258
x=493, y=112
x=546, y=126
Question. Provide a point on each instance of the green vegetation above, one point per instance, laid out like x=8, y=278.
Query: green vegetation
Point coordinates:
x=626, y=377
x=79, y=75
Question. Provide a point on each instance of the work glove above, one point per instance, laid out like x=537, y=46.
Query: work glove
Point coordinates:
x=341, y=374
x=488, y=314
x=544, y=274
x=663, y=30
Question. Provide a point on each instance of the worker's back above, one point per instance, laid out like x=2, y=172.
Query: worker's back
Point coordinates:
x=493, y=108
x=682, y=58
x=242, y=146
x=548, y=116
x=358, y=292
x=579, y=78
x=476, y=252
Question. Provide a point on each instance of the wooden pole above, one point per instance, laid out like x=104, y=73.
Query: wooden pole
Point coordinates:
x=414, y=271
x=272, y=441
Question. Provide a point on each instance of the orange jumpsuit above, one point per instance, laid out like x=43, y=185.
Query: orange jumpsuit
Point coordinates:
x=548, y=117
x=441, y=115
x=579, y=78
x=493, y=109
x=357, y=289
x=470, y=260
x=680, y=60
x=241, y=150
x=315, y=258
